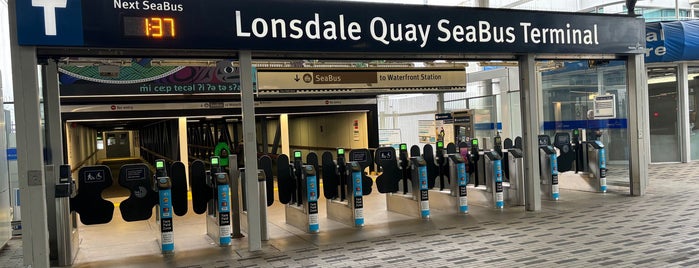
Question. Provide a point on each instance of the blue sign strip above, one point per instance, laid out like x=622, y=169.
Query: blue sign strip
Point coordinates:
x=499, y=201
x=462, y=179
x=620, y=123
x=358, y=200
x=224, y=214
x=424, y=194
x=312, y=197
x=11, y=154
x=487, y=126
x=166, y=229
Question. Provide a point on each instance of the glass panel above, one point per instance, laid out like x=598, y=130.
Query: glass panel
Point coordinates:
x=568, y=103
x=693, y=74
x=484, y=120
x=663, y=107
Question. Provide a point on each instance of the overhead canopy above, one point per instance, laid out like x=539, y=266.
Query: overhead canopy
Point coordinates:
x=320, y=26
x=672, y=41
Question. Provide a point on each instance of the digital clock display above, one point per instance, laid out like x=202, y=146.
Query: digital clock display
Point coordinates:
x=150, y=27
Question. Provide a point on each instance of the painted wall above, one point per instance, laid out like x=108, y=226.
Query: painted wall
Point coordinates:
x=81, y=142
x=328, y=132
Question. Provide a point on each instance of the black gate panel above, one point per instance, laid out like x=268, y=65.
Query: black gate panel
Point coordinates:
x=265, y=163
x=178, y=175
x=385, y=158
x=139, y=180
x=330, y=178
x=201, y=191
x=92, y=180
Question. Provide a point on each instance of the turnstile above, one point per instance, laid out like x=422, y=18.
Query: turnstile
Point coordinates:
x=549, y=172
x=597, y=162
x=344, y=186
x=218, y=216
x=414, y=199
x=298, y=189
x=515, y=192
x=239, y=206
x=493, y=174
x=452, y=193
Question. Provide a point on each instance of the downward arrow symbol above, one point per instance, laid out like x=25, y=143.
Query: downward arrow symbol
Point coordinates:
x=297, y=78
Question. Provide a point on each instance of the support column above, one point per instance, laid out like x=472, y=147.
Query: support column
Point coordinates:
x=284, y=125
x=530, y=103
x=639, y=130
x=184, y=145
x=30, y=150
x=61, y=245
x=685, y=127
x=250, y=150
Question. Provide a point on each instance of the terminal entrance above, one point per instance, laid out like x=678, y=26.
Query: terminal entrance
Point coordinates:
x=237, y=202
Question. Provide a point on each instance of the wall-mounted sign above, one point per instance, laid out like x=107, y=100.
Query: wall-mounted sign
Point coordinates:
x=320, y=26
x=390, y=137
x=605, y=107
x=380, y=81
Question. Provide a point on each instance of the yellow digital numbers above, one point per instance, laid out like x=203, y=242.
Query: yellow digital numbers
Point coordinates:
x=157, y=27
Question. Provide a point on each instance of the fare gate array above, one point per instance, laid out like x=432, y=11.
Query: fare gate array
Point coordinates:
x=413, y=182
x=166, y=190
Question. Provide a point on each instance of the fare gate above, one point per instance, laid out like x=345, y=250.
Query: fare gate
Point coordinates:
x=345, y=184
x=414, y=199
x=298, y=190
x=166, y=193
x=450, y=191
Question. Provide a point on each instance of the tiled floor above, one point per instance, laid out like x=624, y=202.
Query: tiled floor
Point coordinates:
x=660, y=229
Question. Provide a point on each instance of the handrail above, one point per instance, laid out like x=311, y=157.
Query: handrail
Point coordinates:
x=81, y=163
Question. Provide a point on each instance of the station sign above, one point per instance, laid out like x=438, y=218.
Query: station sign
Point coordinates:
x=333, y=26
x=394, y=81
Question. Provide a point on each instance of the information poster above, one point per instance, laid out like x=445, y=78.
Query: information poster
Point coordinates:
x=605, y=107
x=426, y=131
x=389, y=137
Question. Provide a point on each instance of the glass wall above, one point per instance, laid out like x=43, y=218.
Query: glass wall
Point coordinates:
x=663, y=107
x=568, y=99
x=693, y=75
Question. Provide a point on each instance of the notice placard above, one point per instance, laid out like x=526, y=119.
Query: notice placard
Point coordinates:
x=605, y=107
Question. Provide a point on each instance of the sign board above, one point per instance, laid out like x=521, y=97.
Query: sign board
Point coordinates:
x=426, y=131
x=12, y=154
x=384, y=81
x=605, y=107
x=333, y=26
x=140, y=79
x=390, y=137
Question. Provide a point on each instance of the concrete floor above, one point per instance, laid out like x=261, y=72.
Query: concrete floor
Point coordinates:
x=583, y=229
